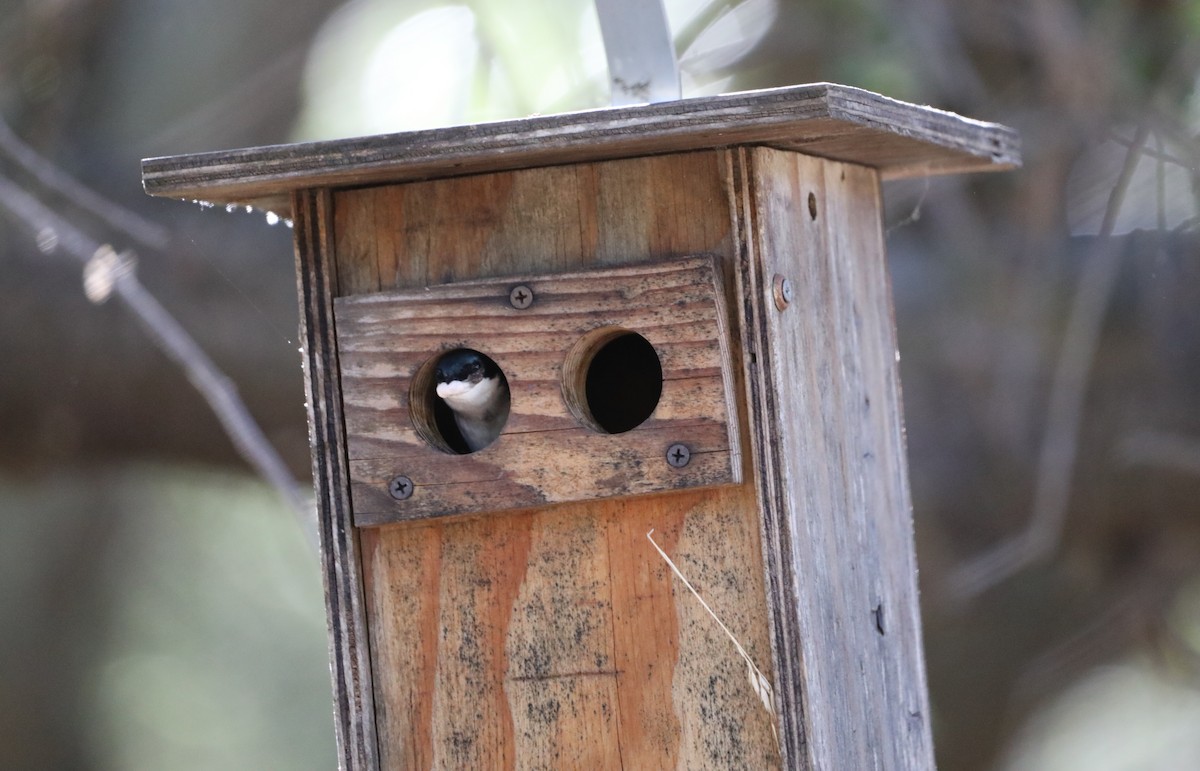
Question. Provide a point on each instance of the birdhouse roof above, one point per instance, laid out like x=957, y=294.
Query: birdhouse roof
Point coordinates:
x=822, y=119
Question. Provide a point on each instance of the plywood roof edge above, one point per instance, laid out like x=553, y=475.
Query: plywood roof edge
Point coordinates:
x=800, y=117
x=998, y=143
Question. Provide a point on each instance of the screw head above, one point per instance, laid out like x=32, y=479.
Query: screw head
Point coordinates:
x=783, y=291
x=521, y=297
x=678, y=455
x=401, y=487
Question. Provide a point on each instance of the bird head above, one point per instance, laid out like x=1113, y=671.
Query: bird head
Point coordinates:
x=469, y=382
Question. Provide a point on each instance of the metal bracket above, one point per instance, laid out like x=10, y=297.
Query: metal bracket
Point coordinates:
x=640, y=50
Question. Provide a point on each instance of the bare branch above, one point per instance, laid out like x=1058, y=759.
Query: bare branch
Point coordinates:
x=1060, y=443
x=1161, y=449
x=1158, y=153
x=46, y=173
x=109, y=273
x=241, y=103
x=939, y=56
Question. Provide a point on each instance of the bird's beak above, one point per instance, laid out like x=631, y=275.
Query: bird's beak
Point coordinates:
x=453, y=388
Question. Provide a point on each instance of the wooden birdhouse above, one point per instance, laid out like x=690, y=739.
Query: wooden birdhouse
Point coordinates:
x=689, y=304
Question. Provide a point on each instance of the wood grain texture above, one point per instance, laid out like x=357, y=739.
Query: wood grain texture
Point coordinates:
x=544, y=454
x=350, y=664
x=556, y=637
x=830, y=465
x=821, y=119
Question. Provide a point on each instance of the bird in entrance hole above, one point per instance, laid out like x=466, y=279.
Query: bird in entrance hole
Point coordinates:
x=476, y=392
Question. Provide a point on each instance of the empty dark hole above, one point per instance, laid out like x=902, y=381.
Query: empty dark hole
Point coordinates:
x=624, y=383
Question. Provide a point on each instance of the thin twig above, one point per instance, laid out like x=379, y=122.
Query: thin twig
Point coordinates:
x=1085, y=647
x=939, y=55
x=240, y=104
x=108, y=273
x=50, y=176
x=1060, y=443
x=1160, y=192
x=1159, y=153
x=692, y=589
x=759, y=682
x=1188, y=224
x=1162, y=450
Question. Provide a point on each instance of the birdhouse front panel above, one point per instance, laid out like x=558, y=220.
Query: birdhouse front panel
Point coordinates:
x=552, y=635
x=617, y=380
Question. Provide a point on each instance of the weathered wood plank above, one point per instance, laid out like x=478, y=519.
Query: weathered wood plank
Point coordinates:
x=447, y=484
x=561, y=625
x=543, y=454
x=830, y=465
x=350, y=663
x=821, y=119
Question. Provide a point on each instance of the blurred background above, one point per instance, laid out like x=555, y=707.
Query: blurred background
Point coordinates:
x=160, y=604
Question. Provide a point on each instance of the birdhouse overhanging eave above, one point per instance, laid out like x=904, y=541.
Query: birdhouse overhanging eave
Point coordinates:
x=841, y=123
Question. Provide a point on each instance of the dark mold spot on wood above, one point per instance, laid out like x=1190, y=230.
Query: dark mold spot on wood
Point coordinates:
x=544, y=712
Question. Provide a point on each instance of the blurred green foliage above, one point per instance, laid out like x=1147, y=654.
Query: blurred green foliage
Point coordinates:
x=205, y=641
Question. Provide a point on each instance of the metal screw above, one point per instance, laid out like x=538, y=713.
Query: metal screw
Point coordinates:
x=401, y=487
x=782, y=288
x=521, y=297
x=678, y=455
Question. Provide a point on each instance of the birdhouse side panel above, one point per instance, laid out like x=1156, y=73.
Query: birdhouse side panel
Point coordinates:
x=831, y=464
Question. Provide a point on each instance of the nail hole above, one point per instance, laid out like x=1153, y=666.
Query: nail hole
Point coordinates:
x=612, y=380
x=476, y=385
x=812, y=206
